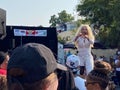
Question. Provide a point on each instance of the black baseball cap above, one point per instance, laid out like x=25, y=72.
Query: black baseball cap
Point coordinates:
x=36, y=60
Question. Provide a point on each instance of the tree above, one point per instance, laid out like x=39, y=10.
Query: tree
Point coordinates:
x=61, y=40
x=105, y=12
x=53, y=20
x=60, y=18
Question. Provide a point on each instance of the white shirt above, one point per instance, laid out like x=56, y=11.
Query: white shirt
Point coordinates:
x=117, y=68
x=80, y=83
x=84, y=45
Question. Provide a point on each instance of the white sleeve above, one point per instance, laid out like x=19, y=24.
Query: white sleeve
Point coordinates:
x=116, y=61
x=91, y=41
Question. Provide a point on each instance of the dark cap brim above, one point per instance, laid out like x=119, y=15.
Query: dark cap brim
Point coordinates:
x=61, y=67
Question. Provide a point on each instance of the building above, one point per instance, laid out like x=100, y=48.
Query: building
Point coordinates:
x=2, y=23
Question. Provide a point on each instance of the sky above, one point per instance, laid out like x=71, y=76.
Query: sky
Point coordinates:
x=35, y=12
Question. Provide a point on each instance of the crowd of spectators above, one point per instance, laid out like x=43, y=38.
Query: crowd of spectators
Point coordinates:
x=34, y=67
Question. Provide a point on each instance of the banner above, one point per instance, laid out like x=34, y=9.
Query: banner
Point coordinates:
x=22, y=32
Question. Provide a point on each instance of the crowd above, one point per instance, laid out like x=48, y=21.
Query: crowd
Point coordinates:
x=34, y=67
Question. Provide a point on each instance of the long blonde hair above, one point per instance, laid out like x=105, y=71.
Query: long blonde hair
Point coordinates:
x=90, y=33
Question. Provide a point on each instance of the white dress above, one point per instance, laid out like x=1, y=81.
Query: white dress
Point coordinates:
x=84, y=53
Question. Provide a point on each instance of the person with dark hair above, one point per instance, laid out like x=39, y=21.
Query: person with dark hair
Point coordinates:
x=98, y=78
x=66, y=80
x=34, y=67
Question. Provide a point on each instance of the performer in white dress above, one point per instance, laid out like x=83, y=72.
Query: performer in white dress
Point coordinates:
x=84, y=40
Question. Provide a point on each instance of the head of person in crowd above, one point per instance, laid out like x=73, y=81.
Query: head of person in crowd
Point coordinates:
x=4, y=57
x=73, y=63
x=66, y=80
x=98, y=78
x=33, y=67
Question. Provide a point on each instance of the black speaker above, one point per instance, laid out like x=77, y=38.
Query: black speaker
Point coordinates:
x=2, y=23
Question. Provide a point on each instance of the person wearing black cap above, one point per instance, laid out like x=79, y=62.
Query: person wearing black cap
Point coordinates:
x=4, y=57
x=33, y=67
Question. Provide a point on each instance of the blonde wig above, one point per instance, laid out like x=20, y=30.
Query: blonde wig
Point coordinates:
x=90, y=33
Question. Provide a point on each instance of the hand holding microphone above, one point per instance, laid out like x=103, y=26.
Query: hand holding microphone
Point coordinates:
x=85, y=35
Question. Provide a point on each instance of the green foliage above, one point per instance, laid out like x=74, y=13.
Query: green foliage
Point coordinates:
x=62, y=17
x=107, y=13
x=73, y=32
x=61, y=40
x=53, y=20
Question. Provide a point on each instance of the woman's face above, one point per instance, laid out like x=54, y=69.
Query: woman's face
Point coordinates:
x=84, y=30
